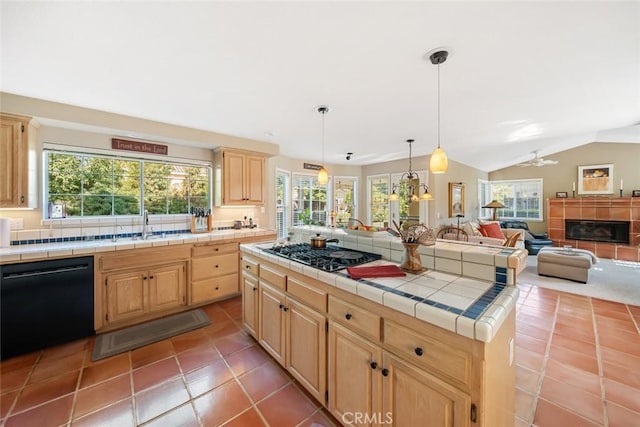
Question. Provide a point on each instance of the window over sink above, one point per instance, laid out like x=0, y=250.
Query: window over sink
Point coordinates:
x=81, y=184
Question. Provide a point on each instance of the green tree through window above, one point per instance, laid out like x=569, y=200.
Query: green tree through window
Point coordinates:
x=91, y=185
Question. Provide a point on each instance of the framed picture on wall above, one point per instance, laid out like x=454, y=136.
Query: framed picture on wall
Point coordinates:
x=456, y=199
x=595, y=179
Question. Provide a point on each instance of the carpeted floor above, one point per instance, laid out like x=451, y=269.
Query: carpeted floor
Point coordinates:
x=609, y=279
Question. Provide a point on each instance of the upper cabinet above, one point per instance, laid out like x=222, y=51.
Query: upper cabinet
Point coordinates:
x=239, y=178
x=14, y=161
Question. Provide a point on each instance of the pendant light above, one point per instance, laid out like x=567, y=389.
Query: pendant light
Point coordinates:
x=438, y=162
x=410, y=175
x=323, y=175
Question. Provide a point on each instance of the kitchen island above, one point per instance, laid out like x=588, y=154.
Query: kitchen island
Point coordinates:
x=434, y=348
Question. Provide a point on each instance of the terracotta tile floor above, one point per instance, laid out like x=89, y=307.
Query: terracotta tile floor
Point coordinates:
x=577, y=364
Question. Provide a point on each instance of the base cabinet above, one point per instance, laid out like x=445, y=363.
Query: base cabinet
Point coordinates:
x=295, y=335
x=411, y=395
x=136, y=293
x=250, y=304
x=214, y=272
x=355, y=382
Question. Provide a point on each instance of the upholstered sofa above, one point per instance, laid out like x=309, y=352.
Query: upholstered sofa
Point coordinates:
x=475, y=236
x=533, y=242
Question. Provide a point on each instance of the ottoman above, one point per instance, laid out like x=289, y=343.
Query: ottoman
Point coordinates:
x=572, y=265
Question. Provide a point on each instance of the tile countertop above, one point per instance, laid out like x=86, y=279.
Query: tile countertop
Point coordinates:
x=50, y=250
x=470, y=307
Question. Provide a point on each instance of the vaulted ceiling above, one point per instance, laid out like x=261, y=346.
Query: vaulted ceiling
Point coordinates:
x=521, y=76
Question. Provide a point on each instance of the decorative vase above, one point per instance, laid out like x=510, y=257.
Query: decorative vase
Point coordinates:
x=410, y=261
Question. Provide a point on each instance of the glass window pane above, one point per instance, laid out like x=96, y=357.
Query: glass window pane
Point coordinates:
x=96, y=205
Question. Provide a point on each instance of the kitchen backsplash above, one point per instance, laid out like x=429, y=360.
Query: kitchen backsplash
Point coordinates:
x=69, y=229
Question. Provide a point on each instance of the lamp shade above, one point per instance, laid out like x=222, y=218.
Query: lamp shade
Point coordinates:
x=426, y=196
x=494, y=204
x=438, y=162
x=323, y=176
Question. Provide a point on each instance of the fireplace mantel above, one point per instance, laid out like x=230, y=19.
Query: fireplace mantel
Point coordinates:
x=597, y=208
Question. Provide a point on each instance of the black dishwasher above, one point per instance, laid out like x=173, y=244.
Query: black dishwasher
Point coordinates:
x=45, y=303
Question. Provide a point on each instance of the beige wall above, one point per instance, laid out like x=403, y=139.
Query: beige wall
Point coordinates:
x=624, y=157
x=438, y=186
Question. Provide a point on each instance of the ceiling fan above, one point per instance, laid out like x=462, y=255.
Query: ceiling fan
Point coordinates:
x=537, y=161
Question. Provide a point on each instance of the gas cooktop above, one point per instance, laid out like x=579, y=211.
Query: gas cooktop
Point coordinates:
x=330, y=258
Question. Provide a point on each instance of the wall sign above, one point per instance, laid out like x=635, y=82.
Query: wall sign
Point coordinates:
x=312, y=166
x=141, y=147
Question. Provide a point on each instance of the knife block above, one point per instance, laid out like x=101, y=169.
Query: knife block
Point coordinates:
x=202, y=227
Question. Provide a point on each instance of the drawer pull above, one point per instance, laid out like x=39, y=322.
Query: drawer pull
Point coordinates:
x=348, y=316
x=373, y=365
x=254, y=289
x=217, y=266
x=247, y=267
x=217, y=288
x=216, y=249
x=419, y=351
x=385, y=372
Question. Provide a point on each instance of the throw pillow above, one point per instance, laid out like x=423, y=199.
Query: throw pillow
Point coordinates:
x=472, y=228
x=491, y=230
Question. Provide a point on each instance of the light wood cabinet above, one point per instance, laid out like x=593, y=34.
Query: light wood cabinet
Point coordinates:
x=292, y=332
x=14, y=161
x=354, y=381
x=250, y=295
x=242, y=178
x=382, y=367
x=271, y=327
x=411, y=395
x=136, y=293
x=214, y=272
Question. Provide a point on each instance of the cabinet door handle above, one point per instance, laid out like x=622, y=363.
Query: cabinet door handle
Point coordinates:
x=373, y=365
x=248, y=267
x=217, y=266
x=144, y=277
x=281, y=306
x=348, y=316
x=22, y=199
x=216, y=249
x=286, y=309
x=254, y=289
x=217, y=288
x=150, y=277
x=385, y=372
x=419, y=351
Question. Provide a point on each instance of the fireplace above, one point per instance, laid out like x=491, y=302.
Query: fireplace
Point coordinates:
x=597, y=231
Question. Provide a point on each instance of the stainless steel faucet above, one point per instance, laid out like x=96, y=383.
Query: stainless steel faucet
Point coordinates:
x=145, y=224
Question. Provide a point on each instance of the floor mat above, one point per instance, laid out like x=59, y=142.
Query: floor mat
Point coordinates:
x=140, y=335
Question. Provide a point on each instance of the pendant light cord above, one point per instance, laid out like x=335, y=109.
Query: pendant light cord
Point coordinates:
x=438, y=105
x=323, y=113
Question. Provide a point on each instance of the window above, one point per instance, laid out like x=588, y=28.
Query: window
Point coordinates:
x=345, y=199
x=378, y=189
x=93, y=185
x=283, y=202
x=522, y=198
x=309, y=200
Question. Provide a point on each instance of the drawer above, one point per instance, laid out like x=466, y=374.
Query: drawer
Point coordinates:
x=211, y=289
x=214, y=249
x=250, y=265
x=274, y=277
x=356, y=318
x=211, y=266
x=426, y=351
x=307, y=294
x=143, y=258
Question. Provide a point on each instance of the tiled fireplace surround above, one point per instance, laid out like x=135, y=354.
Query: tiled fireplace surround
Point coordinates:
x=597, y=208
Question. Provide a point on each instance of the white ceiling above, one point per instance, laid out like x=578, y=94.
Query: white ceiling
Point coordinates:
x=521, y=76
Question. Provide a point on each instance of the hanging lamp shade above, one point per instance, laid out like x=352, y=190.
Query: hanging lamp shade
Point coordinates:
x=323, y=176
x=438, y=163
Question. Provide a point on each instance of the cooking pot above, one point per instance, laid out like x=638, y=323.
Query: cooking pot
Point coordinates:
x=320, y=242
